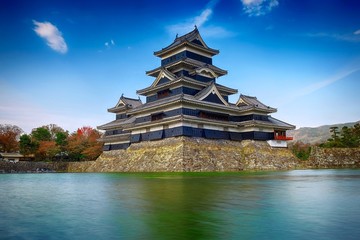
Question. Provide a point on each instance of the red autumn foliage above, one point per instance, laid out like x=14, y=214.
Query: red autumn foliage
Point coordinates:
x=83, y=144
x=47, y=150
x=9, y=135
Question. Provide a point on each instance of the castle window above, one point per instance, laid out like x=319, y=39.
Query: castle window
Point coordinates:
x=157, y=116
x=214, y=116
x=163, y=93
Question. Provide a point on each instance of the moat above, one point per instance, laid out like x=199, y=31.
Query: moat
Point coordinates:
x=299, y=204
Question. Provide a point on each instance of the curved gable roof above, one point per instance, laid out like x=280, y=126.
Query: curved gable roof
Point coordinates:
x=211, y=89
x=205, y=70
x=254, y=102
x=192, y=38
x=163, y=73
x=125, y=103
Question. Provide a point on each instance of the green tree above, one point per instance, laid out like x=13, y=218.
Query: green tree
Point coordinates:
x=41, y=134
x=347, y=137
x=27, y=146
x=356, y=133
x=53, y=130
x=301, y=150
x=61, y=139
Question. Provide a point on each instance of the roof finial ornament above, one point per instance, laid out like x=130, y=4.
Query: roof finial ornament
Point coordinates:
x=177, y=35
x=122, y=95
x=195, y=26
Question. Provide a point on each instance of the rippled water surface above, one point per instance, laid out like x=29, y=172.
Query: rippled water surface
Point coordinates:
x=309, y=204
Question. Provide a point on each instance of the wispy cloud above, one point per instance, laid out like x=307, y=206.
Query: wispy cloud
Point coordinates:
x=347, y=37
x=189, y=24
x=258, y=7
x=52, y=36
x=321, y=84
x=200, y=21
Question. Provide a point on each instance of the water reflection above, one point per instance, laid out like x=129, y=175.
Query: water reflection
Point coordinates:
x=174, y=207
x=316, y=204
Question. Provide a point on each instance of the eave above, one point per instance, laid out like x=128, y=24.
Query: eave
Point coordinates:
x=263, y=124
x=184, y=81
x=117, y=109
x=172, y=48
x=115, y=138
x=191, y=101
x=189, y=62
x=117, y=124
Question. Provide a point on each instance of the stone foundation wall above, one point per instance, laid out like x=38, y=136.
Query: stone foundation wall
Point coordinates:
x=26, y=167
x=333, y=158
x=184, y=154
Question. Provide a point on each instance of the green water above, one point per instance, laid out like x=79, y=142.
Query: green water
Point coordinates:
x=309, y=204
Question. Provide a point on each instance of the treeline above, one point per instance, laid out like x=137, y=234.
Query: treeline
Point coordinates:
x=51, y=142
x=347, y=137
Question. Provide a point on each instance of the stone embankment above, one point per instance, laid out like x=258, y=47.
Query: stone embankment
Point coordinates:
x=333, y=158
x=184, y=154
x=32, y=167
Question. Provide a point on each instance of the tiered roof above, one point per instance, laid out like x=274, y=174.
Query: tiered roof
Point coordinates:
x=125, y=103
x=184, y=81
x=185, y=93
x=192, y=64
x=192, y=39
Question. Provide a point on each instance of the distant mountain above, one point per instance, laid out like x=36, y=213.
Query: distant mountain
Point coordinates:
x=315, y=135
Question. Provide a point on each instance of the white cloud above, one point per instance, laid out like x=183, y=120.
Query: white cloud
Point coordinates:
x=258, y=7
x=321, y=84
x=52, y=35
x=187, y=26
x=298, y=93
x=203, y=18
x=336, y=36
x=357, y=32
x=200, y=21
x=109, y=44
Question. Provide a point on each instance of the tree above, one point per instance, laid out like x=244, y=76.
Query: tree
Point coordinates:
x=47, y=150
x=356, y=133
x=27, y=146
x=83, y=144
x=53, y=130
x=348, y=137
x=9, y=136
x=61, y=139
x=41, y=134
x=301, y=150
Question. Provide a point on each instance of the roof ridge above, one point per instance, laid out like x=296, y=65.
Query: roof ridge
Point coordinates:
x=135, y=99
x=186, y=35
x=243, y=95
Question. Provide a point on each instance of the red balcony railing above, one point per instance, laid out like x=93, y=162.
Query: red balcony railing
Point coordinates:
x=283, y=138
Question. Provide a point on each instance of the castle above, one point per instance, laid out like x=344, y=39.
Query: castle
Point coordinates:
x=185, y=100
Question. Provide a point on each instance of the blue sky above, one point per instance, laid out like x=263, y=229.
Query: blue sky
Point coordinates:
x=66, y=62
